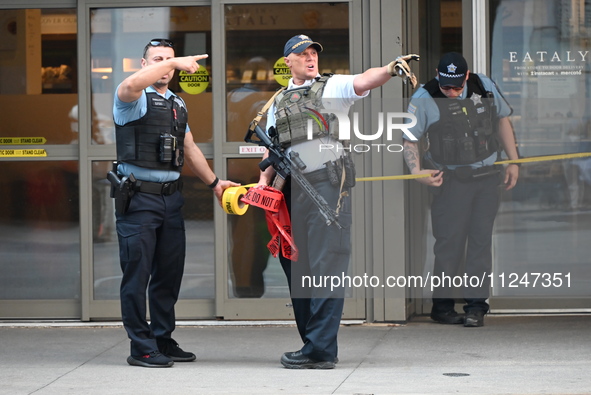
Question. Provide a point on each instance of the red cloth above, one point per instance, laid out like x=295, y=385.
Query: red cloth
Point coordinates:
x=278, y=222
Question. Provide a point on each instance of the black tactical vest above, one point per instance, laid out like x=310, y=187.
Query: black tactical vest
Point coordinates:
x=467, y=128
x=156, y=140
x=299, y=107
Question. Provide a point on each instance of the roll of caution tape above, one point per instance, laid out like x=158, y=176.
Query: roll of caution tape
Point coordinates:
x=231, y=200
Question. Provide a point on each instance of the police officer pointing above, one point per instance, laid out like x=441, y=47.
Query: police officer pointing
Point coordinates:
x=464, y=120
x=324, y=250
x=153, y=143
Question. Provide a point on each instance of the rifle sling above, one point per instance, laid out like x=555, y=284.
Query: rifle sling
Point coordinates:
x=267, y=105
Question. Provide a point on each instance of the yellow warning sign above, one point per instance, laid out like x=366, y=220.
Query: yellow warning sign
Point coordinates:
x=22, y=140
x=196, y=83
x=21, y=153
x=281, y=72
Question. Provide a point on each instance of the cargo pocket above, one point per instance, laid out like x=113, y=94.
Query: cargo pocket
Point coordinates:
x=340, y=239
x=129, y=242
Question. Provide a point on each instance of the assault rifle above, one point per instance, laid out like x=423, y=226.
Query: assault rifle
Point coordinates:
x=290, y=165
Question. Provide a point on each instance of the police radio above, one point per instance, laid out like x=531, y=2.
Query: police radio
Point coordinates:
x=167, y=147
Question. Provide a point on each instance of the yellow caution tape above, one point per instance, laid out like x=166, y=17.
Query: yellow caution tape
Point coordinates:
x=502, y=162
x=545, y=158
x=231, y=200
x=22, y=140
x=22, y=153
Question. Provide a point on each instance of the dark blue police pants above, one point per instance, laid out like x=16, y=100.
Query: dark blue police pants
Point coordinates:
x=462, y=216
x=323, y=251
x=152, y=253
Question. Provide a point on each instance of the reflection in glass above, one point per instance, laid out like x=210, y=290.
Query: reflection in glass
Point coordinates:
x=253, y=71
x=118, y=37
x=107, y=272
x=38, y=69
x=40, y=233
x=538, y=60
x=198, y=279
x=39, y=223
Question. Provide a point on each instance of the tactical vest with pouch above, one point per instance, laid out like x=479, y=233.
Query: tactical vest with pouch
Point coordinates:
x=156, y=140
x=299, y=109
x=467, y=128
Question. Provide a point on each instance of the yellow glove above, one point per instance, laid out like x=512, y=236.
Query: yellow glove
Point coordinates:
x=399, y=67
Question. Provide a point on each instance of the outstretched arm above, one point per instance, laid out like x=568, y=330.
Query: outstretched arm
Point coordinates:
x=378, y=76
x=370, y=79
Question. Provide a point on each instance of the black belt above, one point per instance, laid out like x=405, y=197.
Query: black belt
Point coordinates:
x=158, y=188
x=469, y=173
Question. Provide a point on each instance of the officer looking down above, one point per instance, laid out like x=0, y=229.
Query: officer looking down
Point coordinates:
x=463, y=119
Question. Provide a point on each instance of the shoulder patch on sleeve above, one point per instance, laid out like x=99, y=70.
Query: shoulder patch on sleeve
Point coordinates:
x=412, y=108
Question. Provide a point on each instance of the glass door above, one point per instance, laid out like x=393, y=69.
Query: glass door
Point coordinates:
x=540, y=57
x=252, y=283
x=116, y=39
x=440, y=30
x=39, y=220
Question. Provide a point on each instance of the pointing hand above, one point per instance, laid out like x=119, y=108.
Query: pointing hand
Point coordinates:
x=189, y=63
x=399, y=67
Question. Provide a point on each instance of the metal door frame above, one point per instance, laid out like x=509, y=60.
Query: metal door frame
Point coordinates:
x=44, y=308
x=110, y=309
x=271, y=308
x=383, y=233
x=476, y=49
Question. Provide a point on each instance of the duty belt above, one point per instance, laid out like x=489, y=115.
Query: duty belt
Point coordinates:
x=158, y=188
x=469, y=173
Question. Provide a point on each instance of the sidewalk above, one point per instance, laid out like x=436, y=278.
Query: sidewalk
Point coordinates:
x=509, y=355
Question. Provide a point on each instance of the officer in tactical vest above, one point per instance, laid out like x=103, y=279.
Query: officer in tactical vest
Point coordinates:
x=154, y=141
x=300, y=121
x=463, y=120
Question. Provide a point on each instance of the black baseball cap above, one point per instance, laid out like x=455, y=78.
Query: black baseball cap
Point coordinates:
x=452, y=69
x=298, y=44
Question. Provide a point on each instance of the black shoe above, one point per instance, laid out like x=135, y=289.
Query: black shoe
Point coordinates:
x=297, y=360
x=171, y=349
x=151, y=360
x=447, y=317
x=474, y=319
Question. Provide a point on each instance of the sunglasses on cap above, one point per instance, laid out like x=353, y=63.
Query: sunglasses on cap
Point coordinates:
x=158, y=42
x=451, y=87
